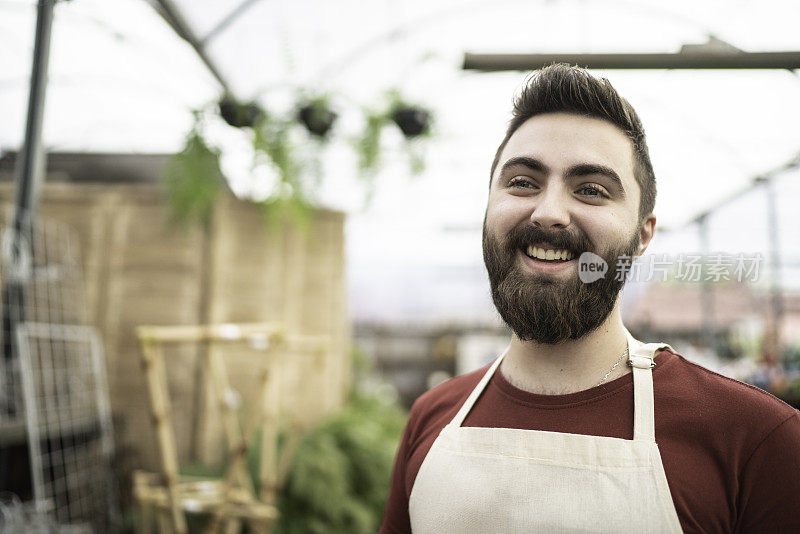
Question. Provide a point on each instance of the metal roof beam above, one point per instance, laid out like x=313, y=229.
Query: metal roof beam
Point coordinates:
x=170, y=13
x=229, y=19
x=683, y=60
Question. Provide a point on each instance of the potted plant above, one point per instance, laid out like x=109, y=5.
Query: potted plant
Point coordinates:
x=317, y=116
x=413, y=121
x=240, y=114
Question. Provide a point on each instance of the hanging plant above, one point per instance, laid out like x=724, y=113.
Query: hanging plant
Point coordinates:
x=291, y=198
x=272, y=139
x=412, y=121
x=193, y=179
x=368, y=144
x=317, y=116
x=415, y=122
x=240, y=114
x=285, y=157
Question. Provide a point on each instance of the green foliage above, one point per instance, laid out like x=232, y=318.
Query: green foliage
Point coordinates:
x=291, y=200
x=202, y=470
x=791, y=356
x=273, y=140
x=416, y=157
x=340, y=476
x=278, y=209
x=368, y=145
x=193, y=178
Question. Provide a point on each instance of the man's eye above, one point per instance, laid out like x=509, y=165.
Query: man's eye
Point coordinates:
x=592, y=191
x=521, y=182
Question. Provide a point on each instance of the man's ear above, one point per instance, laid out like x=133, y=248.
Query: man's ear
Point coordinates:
x=648, y=228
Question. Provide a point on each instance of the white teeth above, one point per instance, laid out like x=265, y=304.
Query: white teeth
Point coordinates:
x=548, y=254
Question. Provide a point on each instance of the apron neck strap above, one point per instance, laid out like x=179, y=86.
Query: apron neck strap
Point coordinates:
x=467, y=406
x=641, y=359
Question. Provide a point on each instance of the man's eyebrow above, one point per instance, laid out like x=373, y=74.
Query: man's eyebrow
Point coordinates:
x=576, y=171
x=525, y=161
x=585, y=169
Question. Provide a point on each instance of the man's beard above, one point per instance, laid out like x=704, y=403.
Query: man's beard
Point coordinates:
x=546, y=308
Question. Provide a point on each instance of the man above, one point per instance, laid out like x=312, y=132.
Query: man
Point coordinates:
x=578, y=427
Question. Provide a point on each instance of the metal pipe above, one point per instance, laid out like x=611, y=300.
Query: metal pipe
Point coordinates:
x=791, y=164
x=175, y=19
x=776, y=297
x=29, y=172
x=30, y=160
x=684, y=60
x=709, y=323
x=229, y=19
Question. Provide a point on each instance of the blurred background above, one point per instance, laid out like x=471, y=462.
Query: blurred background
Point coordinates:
x=240, y=237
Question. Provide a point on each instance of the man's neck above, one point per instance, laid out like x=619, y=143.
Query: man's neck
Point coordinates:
x=570, y=366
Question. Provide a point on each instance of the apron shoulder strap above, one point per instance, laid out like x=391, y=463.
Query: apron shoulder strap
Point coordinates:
x=641, y=359
x=467, y=406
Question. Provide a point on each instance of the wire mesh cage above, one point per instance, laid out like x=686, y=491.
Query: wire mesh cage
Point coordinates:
x=68, y=422
x=41, y=282
x=53, y=381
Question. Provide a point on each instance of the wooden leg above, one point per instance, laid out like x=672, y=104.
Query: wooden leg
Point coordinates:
x=153, y=360
x=165, y=523
x=271, y=398
x=144, y=506
x=233, y=526
x=144, y=520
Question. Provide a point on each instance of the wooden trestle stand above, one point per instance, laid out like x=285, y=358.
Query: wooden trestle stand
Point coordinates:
x=232, y=499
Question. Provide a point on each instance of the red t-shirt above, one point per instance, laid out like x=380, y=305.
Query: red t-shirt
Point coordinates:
x=731, y=451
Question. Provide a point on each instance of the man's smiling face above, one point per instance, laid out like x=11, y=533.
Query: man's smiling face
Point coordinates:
x=564, y=185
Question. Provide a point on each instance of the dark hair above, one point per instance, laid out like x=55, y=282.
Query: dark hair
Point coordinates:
x=564, y=88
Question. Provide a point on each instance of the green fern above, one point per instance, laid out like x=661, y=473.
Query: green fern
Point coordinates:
x=193, y=178
x=368, y=145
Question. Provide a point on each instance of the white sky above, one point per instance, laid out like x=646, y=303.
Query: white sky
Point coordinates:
x=122, y=81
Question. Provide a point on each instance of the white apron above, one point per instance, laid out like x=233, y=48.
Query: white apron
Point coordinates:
x=501, y=480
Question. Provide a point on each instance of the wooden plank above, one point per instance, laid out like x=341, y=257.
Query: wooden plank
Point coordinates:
x=153, y=362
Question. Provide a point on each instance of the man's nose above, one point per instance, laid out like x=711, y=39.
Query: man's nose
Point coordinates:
x=551, y=209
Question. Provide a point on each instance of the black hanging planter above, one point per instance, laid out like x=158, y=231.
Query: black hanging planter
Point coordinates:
x=412, y=121
x=317, y=117
x=240, y=114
